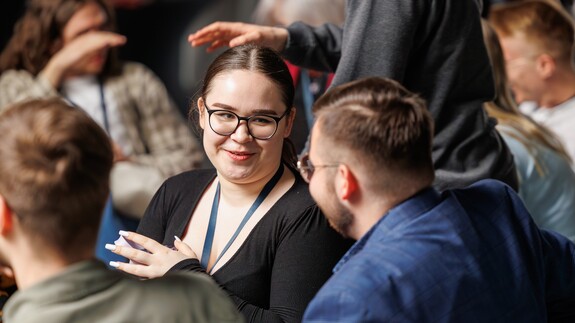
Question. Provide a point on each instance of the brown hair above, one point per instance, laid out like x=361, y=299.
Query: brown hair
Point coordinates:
x=261, y=60
x=37, y=35
x=55, y=163
x=544, y=23
x=505, y=110
x=385, y=125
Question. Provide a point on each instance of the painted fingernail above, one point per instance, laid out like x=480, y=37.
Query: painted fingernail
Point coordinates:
x=110, y=246
x=123, y=233
x=114, y=264
x=177, y=239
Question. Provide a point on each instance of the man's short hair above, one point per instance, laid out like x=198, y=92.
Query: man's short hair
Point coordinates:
x=384, y=126
x=55, y=163
x=543, y=23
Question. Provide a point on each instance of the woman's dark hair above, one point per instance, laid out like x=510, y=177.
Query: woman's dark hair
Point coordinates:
x=37, y=35
x=262, y=60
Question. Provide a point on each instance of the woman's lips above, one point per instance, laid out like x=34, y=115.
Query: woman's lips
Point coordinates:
x=239, y=155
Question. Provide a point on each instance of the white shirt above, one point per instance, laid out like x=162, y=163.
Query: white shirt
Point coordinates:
x=560, y=119
x=84, y=92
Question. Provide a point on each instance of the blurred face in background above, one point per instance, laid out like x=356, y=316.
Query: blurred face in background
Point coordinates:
x=522, y=67
x=89, y=18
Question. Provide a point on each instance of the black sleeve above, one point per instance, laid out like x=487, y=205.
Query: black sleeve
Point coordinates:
x=307, y=252
x=153, y=223
x=317, y=48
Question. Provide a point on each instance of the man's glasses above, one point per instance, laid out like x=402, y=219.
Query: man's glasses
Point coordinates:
x=307, y=168
x=260, y=126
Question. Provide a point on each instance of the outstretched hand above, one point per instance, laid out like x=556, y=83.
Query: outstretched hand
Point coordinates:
x=233, y=34
x=155, y=261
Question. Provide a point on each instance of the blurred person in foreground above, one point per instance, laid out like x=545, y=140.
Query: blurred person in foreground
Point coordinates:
x=55, y=164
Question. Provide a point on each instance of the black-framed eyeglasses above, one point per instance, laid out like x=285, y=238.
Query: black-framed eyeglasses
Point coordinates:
x=260, y=126
x=307, y=168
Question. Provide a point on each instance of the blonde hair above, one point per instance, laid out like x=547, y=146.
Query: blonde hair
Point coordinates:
x=505, y=110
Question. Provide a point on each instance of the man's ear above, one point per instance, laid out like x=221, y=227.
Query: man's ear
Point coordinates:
x=346, y=183
x=202, y=112
x=290, y=120
x=6, y=214
x=546, y=65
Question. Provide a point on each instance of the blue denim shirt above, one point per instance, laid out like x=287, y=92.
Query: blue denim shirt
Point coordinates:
x=469, y=255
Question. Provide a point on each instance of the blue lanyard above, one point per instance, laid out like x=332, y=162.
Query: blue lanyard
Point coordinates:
x=214, y=215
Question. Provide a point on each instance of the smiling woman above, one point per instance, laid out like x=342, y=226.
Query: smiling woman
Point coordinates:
x=251, y=223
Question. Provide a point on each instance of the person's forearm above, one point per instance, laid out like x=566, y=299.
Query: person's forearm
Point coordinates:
x=53, y=73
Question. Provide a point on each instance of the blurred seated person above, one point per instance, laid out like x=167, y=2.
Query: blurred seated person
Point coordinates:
x=66, y=48
x=546, y=180
x=55, y=163
x=250, y=223
x=537, y=39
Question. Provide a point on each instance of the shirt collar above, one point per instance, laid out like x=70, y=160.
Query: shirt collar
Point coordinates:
x=401, y=214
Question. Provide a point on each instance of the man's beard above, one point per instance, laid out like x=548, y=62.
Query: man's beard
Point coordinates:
x=338, y=216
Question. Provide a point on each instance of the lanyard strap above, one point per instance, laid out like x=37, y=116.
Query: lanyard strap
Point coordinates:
x=102, y=106
x=214, y=215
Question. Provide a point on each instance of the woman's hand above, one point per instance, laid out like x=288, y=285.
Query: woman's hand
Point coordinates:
x=154, y=262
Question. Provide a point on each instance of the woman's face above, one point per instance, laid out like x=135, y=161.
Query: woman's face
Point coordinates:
x=90, y=17
x=239, y=157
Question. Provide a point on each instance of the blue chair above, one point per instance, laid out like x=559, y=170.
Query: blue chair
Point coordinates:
x=112, y=222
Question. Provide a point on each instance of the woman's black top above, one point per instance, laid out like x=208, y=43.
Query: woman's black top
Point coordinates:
x=282, y=263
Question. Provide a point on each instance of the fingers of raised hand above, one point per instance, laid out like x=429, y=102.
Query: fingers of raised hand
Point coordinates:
x=96, y=40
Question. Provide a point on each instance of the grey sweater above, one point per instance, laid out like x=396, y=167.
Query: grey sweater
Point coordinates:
x=434, y=48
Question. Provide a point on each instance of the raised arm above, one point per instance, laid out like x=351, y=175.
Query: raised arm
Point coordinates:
x=62, y=63
x=233, y=34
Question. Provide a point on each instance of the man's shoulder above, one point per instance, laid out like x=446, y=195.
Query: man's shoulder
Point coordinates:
x=489, y=191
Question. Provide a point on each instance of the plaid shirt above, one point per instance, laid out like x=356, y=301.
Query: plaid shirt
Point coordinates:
x=158, y=134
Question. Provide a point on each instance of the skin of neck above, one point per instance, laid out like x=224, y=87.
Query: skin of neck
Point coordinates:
x=32, y=264
x=241, y=193
x=368, y=207
x=560, y=88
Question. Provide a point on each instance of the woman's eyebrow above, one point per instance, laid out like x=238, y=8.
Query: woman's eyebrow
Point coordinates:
x=264, y=111
x=223, y=106
x=255, y=111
